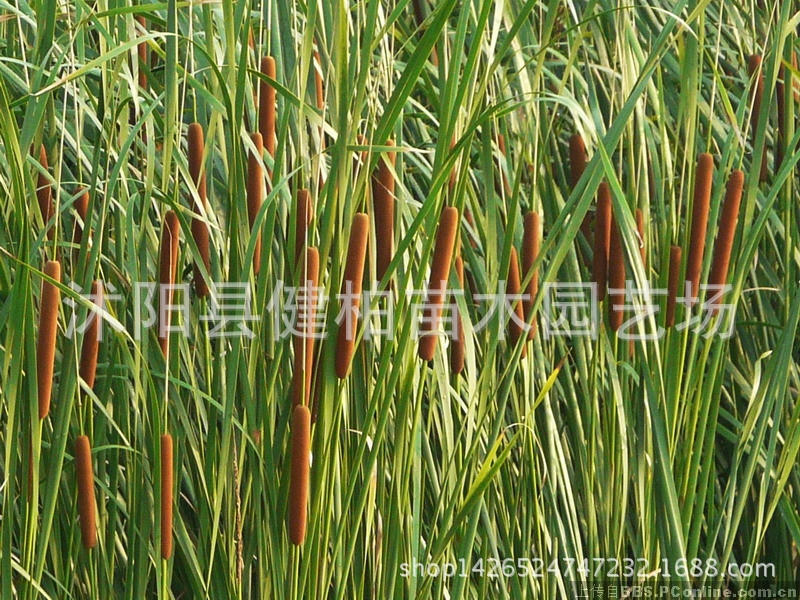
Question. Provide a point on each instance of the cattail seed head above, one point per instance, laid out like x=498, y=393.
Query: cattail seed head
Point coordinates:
x=675, y=254
x=383, y=201
x=727, y=230
x=255, y=193
x=351, y=290
x=166, y=496
x=697, y=240
x=756, y=96
x=141, y=50
x=91, y=339
x=531, y=240
x=199, y=226
x=457, y=341
x=44, y=194
x=48, y=330
x=85, y=477
x=305, y=213
x=304, y=338
x=82, y=208
x=437, y=284
x=616, y=276
x=168, y=268
x=602, y=237
x=318, y=84
x=577, y=159
x=299, y=474
x=513, y=285
x=266, y=105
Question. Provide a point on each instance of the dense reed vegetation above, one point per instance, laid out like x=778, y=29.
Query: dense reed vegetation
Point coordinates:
x=427, y=154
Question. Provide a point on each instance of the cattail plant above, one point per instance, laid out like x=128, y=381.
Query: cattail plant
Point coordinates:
x=85, y=477
x=91, y=339
x=304, y=338
x=457, y=341
x=419, y=15
x=602, y=237
x=48, y=329
x=513, y=285
x=305, y=213
x=82, y=208
x=166, y=496
x=141, y=50
x=168, y=267
x=351, y=290
x=318, y=84
x=199, y=226
x=44, y=193
x=360, y=157
x=255, y=191
x=577, y=159
x=531, y=240
x=640, y=233
x=616, y=276
x=697, y=240
x=727, y=229
x=299, y=474
x=266, y=106
x=675, y=255
x=383, y=202
x=437, y=284
x=784, y=77
x=756, y=75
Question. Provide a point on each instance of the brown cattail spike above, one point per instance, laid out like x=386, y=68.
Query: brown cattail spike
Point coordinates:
x=168, y=267
x=82, y=208
x=437, y=284
x=457, y=341
x=298, y=476
x=577, y=159
x=515, y=324
x=383, y=198
x=602, y=237
x=266, y=106
x=531, y=240
x=697, y=241
x=756, y=97
x=91, y=338
x=48, y=329
x=83, y=473
x=141, y=50
x=255, y=192
x=305, y=213
x=166, y=496
x=199, y=226
x=44, y=193
x=675, y=254
x=351, y=291
x=727, y=229
x=616, y=277
x=318, y=85
x=304, y=338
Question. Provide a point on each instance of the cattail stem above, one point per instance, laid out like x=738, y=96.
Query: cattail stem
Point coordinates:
x=299, y=474
x=44, y=194
x=304, y=338
x=602, y=237
x=351, y=290
x=531, y=240
x=727, y=230
x=675, y=254
x=168, y=267
x=255, y=192
x=383, y=200
x=457, y=341
x=91, y=339
x=85, y=477
x=437, y=285
x=199, y=226
x=616, y=276
x=166, y=496
x=266, y=105
x=756, y=96
x=513, y=285
x=697, y=240
x=305, y=213
x=48, y=330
